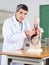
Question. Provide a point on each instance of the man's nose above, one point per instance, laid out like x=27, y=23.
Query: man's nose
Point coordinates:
x=23, y=15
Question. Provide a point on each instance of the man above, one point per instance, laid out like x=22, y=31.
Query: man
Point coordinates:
x=15, y=30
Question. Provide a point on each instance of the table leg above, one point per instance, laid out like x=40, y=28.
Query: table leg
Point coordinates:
x=9, y=61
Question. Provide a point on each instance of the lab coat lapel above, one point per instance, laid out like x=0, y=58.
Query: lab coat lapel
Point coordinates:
x=16, y=23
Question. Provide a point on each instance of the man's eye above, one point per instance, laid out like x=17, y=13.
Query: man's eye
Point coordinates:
x=21, y=12
x=25, y=13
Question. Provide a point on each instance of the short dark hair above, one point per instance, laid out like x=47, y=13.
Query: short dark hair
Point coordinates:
x=21, y=6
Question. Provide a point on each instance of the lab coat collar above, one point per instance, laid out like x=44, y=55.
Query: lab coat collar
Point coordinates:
x=15, y=21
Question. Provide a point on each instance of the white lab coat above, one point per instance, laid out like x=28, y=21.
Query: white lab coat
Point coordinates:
x=13, y=36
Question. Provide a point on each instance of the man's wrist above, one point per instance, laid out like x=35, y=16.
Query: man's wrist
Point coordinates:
x=26, y=34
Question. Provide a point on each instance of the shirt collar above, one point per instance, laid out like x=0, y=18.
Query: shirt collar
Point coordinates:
x=15, y=21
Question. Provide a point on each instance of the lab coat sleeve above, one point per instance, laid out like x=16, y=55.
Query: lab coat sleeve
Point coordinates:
x=11, y=37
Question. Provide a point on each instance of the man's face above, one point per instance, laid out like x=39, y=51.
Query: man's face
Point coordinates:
x=21, y=14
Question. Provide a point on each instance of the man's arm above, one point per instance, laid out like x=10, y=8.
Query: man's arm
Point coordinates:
x=9, y=36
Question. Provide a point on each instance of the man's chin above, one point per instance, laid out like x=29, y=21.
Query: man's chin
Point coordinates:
x=20, y=21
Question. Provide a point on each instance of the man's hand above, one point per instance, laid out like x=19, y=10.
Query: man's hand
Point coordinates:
x=29, y=33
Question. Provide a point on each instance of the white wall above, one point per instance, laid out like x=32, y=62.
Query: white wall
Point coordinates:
x=32, y=4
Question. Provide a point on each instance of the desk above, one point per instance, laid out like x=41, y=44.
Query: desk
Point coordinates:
x=21, y=56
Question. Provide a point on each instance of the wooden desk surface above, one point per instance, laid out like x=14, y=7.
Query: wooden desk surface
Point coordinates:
x=23, y=53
